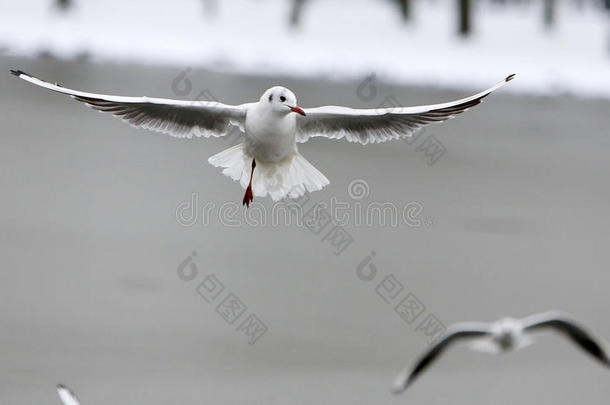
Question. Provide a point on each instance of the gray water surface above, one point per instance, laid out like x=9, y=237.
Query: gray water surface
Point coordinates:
x=514, y=221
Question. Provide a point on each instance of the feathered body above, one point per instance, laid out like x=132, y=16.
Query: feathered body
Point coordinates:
x=270, y=133
x=270, y=141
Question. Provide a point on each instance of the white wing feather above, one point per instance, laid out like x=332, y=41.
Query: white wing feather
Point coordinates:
x=67, y=396
x=381, y=124
x=178, y=118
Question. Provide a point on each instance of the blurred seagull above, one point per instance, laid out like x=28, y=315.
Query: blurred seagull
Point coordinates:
x=273, y=126
x=66, y=396
x=502, y=336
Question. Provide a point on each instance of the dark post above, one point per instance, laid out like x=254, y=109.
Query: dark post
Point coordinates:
x=210, y=7
x=464, y=17
x=607, y=6
x=549, y=13
x=64, y=4
x=295, y=12
x=405, y=6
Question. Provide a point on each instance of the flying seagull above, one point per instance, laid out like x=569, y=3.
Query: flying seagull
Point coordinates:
x=272, y=128
x=66, y=396
x=504, y=335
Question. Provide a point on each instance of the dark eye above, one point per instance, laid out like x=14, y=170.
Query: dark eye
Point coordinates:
x=282, y=99
x=270, y=97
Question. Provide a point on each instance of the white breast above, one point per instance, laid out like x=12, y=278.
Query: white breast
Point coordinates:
x=270, y=137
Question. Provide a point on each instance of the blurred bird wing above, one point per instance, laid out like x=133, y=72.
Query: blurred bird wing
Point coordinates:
x=178, y=118
x=485, y=345
x=563, y=323
x=381, y=124
x=67, y=396
x=454, y=333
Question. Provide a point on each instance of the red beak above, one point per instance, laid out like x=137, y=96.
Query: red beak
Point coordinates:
x=298, y=110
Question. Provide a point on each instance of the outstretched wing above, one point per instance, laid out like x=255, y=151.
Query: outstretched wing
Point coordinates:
x=181, y=119
x=455, y=333
x=382, y=124
x=67, y=396
x=578, y=334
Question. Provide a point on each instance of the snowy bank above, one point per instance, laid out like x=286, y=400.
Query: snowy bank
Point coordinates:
x=333, y=40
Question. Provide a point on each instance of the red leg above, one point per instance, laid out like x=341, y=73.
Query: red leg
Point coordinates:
x=248, y=197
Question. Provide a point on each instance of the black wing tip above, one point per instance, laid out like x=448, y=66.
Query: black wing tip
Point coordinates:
x=510, y=77
x=61, y=387
x=17, y=72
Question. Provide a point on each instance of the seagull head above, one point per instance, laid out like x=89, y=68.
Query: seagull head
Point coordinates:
x=281, y=100
x=507, y=333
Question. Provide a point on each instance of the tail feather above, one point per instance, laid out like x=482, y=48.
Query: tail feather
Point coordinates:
x=233, y=162
x=289, y=178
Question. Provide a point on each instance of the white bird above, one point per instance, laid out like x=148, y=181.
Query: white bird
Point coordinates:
x=502, y=336
x=272, y=126
x=66, y=396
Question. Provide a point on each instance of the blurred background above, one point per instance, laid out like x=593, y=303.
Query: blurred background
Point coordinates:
x=103, y=281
